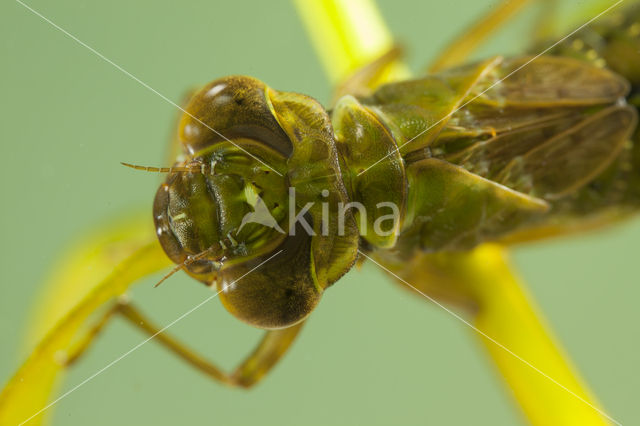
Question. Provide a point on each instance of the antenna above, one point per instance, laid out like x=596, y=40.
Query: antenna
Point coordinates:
x=188, y=261
x=193, y=168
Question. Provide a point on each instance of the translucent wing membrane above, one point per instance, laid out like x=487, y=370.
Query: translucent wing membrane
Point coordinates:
x=488, y=157
x=553, y=158
x=545, y=129
x=548, y=81
x=573, y=158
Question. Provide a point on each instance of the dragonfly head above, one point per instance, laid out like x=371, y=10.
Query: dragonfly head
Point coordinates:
x=224, y=212
x=220, y=206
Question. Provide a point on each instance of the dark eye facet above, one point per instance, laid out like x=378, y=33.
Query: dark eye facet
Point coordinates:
x=279, y=293
x=229, y=108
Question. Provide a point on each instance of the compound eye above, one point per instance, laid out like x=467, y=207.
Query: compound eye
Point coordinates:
x=274, y=293
x=236, y=107
x=269, y=304
x=167, y=238
x=183, y=213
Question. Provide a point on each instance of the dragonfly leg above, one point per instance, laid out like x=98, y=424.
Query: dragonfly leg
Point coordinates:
x=462, y=46
x=85, y=341
x=269, y=351
x=545, y=25
x=368, y=77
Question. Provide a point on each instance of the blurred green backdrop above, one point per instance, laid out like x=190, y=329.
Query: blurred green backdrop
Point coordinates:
x=371, y=354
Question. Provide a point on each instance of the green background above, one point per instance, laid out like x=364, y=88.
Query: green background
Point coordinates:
x=371, y=354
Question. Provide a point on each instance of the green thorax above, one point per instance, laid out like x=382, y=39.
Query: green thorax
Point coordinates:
x=481, y=152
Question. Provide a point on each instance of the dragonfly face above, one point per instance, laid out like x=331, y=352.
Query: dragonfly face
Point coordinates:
x=228, y=209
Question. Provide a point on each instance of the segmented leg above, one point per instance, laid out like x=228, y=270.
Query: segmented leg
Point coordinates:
x=545, y=26
x=371, y=75
x=269, y=351
x=457, y=51
x=80, y=348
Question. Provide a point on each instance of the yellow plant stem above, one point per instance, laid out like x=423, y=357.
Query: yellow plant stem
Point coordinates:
x=537, y=370
x=92, y=276
x=539, y=374
x=459, y=49
x=480, y=289
x=346, y=35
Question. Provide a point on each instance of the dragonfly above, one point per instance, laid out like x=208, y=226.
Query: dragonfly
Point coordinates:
x=505, y=150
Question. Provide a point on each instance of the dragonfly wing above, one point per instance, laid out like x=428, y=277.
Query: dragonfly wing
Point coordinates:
x=415, y=111
x=547, y=81
x=450, y=208
x=489, y=156
x=571, y=159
